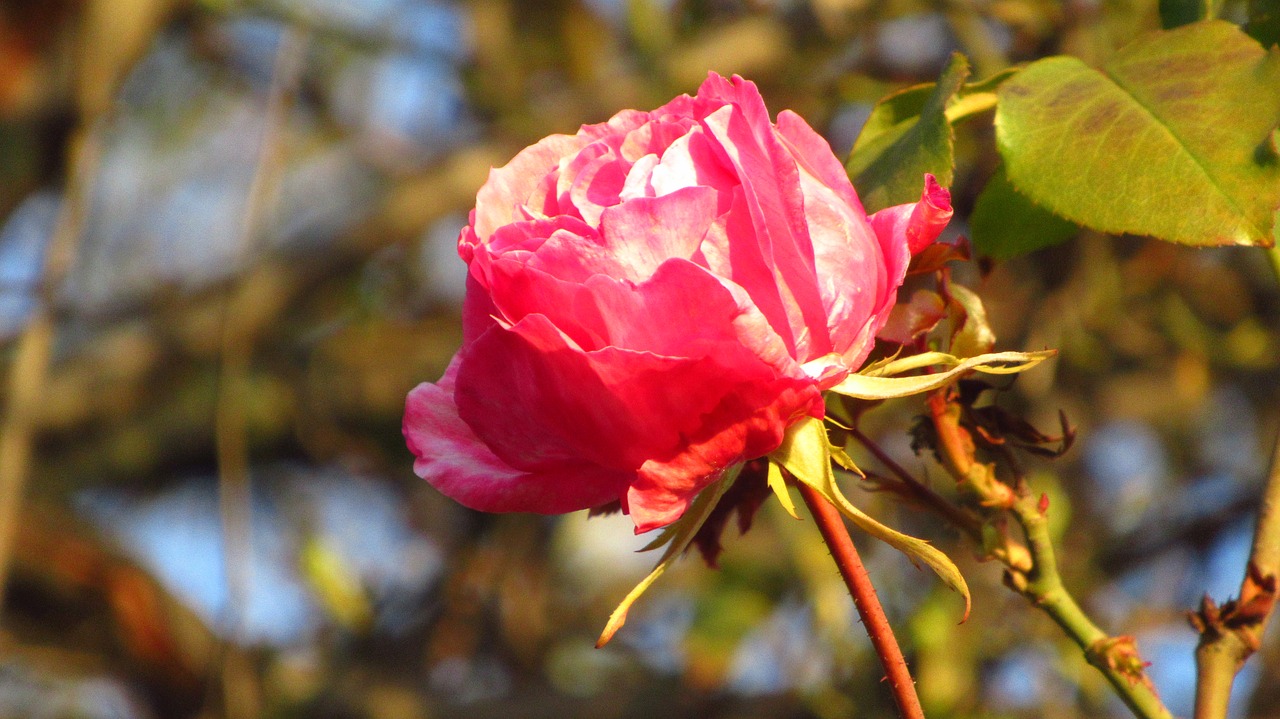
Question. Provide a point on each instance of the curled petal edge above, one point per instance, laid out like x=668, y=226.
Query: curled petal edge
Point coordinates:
x=916, y=223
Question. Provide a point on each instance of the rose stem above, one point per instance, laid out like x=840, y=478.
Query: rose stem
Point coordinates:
x=1225, y=646
x=831, y=525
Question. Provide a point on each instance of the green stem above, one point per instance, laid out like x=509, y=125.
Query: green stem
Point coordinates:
x=1228, y=637
x=1116, y=657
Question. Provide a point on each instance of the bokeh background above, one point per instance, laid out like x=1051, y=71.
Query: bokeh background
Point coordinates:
x=232, y=224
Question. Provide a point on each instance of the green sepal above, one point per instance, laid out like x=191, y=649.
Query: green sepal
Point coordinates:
x=779, y=486
x=677, y=537
x=876, y=381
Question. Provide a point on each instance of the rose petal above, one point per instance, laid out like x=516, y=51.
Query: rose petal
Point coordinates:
x=592, y=181
x=728, y=252
x=639, y=179
x=451, y=457
x=513, y=184
x=748, y=423
x=771, y=185
x=916, y=224
x=545, y=238
x=644, y=232
x=537, y=400
x=624, y=122
x=681, y=311
x=850, y=269
x=652, y=137
x=686, y=311
x=694, y=160
x=814, y=154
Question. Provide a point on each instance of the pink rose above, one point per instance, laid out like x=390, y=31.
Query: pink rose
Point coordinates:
x=653, y=300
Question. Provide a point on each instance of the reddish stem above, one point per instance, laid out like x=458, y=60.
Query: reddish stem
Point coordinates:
x=831, y=524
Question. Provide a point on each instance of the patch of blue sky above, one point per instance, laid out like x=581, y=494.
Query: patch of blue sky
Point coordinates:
x=23, y=239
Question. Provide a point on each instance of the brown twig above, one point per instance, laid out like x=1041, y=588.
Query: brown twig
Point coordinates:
x=29, y=372
x=834, y=533
x=240, y=690
x=919, y=492
x=1230, y=634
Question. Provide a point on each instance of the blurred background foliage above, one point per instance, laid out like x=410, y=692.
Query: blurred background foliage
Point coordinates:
x=234, y=223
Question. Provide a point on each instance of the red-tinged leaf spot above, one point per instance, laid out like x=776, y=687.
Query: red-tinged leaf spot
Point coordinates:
x=1120, y=654
x=1043, y=505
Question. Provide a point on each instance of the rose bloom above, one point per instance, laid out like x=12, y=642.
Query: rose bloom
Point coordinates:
x=652, y=301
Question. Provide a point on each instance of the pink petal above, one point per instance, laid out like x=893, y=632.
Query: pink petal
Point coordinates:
x=815, y=156
x=477, y=311
x=916, y=224
x=521, y=289
x=639, y=179
x=451, y=457
x=619, y=125
x=685, y=311
x=652, y=137
x=694, y=160
x=681, y=311
x=850, y=269
x=729, y=253
x=540, y=238
x=539, y=401
x=591, y=181
x=740, y=93
x=514, y=184
x=749, y=423
x=644, y=232
x=771, y=184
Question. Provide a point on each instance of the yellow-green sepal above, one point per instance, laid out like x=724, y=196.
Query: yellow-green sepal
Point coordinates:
x=677, y=537
x=877, y=381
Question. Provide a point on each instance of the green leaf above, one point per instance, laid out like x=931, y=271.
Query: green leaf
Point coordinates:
x=907, y=135
x=881, y=386
x=1006, y=223
x=679, y=535
x=806, y=454
x=1171, y=138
